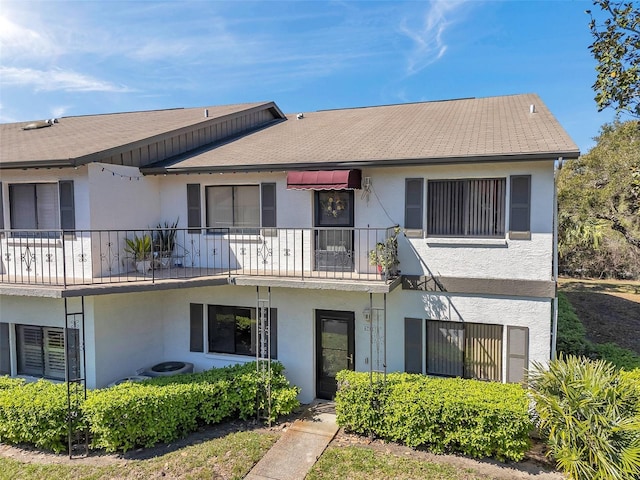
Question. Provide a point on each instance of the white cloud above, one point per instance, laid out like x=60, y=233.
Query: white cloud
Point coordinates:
x=427, y=38
x=19, y=41
x=56, y=79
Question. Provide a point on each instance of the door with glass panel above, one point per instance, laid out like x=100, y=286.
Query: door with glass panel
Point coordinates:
x=335, y=349
x=333, y=244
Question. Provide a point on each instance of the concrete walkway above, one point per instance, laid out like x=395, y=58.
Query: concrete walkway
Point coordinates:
x=299, y=447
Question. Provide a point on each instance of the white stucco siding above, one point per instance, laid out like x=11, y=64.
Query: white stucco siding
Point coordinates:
x=495, y=258
x=48, y=312
x=129, y=334
x=535, y=314
x=122, y=198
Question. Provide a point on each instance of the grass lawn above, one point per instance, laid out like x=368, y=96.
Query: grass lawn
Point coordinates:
x=356, y=463
x=228, y=457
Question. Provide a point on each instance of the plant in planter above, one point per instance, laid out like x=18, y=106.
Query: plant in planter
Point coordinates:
x=140, y=250
x=385, y=255
x=165, y=242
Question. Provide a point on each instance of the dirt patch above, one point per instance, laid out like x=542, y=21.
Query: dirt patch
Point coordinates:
x=535, y=466
x=609, y=311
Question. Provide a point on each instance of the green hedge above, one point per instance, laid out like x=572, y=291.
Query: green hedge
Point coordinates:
x=140, y=414
x=475, y=418
x=34, y=413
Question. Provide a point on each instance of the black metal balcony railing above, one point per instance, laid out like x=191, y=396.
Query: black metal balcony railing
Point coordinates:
x=87, y=257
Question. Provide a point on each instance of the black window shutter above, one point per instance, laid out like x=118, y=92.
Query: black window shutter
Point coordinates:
x=274, y=333
x=1, y=209
x=520, y=211
x=196, y=331
x=5, y=357
x=67, y=205
x=268, y=205
x=194, y=208
x=414, y=188
x=413, y=345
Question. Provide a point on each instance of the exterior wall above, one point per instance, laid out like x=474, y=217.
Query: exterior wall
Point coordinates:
x=122, y=198
x=47, y=312
x=521, y=259
x=492, y=258
x=128, y=334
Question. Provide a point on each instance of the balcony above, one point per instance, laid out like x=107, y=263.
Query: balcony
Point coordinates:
x=68, y=259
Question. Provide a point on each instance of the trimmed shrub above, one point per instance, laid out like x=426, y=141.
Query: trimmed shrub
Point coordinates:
x=8, y=382
x=571, y=332
x=589, y=413
x=165, y=408
x=616, y=355
x=480, y=419
x=34, y=413
x=140, y=414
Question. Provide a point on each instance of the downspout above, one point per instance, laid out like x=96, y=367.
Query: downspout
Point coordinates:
x=554, y=322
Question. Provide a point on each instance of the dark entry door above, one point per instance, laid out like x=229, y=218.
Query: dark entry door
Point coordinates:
x=334, y=245
x=335, y=348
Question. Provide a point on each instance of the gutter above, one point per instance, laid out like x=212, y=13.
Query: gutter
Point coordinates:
x=554, y=320
x=400, y=162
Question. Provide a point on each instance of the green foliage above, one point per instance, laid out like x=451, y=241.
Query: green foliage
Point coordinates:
x=588, y=412
x=475, y=418
x=619, y=357
x=8, y=382
x=138, y=247
x=141, y=414
x=571, y=333
x=165, y=237
x=599, y=207
x=34, y=413
x=165, y=408
x=572, y=340
x=616, y=48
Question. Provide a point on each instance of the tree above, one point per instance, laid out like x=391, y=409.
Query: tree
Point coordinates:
x=599, y=206
x=616, y=48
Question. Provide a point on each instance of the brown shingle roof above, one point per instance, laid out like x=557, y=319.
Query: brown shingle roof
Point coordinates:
x=495, y=128
x=76, y=137
x=455, y=130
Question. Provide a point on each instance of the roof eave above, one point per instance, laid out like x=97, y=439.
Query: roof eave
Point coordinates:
x=523, y=157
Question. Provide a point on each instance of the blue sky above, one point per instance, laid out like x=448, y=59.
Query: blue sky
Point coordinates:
x=60, y=58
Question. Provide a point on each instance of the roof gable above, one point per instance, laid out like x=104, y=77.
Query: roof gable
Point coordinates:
x=74, y=141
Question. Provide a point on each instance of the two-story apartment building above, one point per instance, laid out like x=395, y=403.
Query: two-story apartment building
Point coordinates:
x=212, y=235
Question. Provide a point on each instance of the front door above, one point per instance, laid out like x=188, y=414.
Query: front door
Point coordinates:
x=335, y=348
x=333, y=244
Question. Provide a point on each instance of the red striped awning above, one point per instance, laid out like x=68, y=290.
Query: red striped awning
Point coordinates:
x=325, y=180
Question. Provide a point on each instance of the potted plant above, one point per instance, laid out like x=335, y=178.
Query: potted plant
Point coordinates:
x=165, y=242
x=140, y=249
x=385, y=255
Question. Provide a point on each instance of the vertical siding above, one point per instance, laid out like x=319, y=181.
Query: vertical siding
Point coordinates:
x=184, y=142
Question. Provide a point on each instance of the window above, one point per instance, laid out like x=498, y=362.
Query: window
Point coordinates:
x=466, y=208
x=233, y=206
x=41, y=352
x=468, y=350
x=42, y=206
x=34, y=206
x=229, y=330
